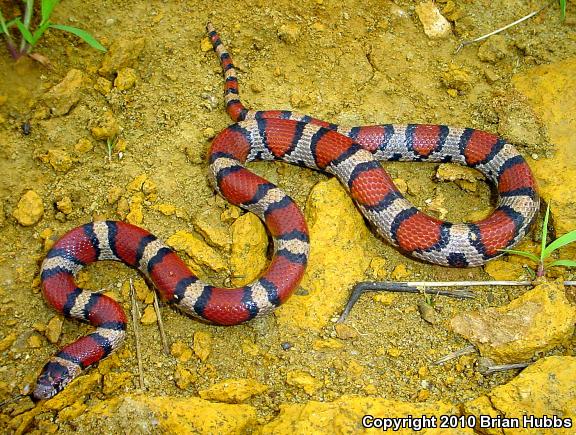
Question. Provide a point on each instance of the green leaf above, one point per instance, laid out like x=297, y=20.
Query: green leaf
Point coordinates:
x=559, y=242
x=47, y=8
x=82, y=34
x=11, y=23
x=522, y=253
x=567, y=263
x=39, y=32
x=562, y=9
x=544, y=234
x=25, y=32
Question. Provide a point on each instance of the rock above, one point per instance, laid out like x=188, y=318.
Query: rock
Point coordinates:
x=149, y=316
x=142, y=183
x=493, y=49
x=202, y=254
x=345, y=332
x=65, y=205
x=466, y=178
x=346, y=412
x=289, y=32
x=125, y=79
x=354, y=369
x=54, y=329
x=338, y=236
x=202, y=345
x=107, y=128
x=537, y=321
x=427, y=312
x=77, y=389
x=183, y=377
x=385, y=298
x=230, y=213
x=63, y=96
x=172, y=415
x=136, y=214
x=378, y=269
x=208, y=224
x=233, y=390
x=83, y=145
x=457, y=79
x=72, y=411
x=102, y=85
x=502, y=270
x=303, y=380
x=181, y=351
x=7, y=341
x=248, y=253
x=327, y=344
x=29, y=209
x=401, y=184
x=400, y=272
x=59, y=159
x=551, y=92
x=250, y=348
x=434, y=23
x=141, y=289
x=115, y=381
x=436, y=205
x=123, y=53
x=205, y=44
x=34, y=341
x=166, y=209
x=547, y=387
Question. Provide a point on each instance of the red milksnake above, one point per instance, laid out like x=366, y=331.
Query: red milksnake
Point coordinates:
x=351, y=155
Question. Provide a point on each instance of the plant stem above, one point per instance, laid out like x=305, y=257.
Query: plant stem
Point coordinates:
x=10, y=44
x=530, y=15
x=24, y=48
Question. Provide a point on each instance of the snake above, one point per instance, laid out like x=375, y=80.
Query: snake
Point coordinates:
x=353, y=155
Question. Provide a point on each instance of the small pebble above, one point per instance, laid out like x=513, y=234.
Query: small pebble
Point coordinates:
x=427, y=312
x=286, y=345
x=53, y=329
x=149, y=316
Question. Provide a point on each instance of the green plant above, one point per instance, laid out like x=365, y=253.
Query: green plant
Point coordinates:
x=546, y=250
x=562, y=4
x=110, y=144
x=30, y=36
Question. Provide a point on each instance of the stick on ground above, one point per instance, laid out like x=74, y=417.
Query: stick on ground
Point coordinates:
x=161, y=326
x=135, y=320
x=481, y=38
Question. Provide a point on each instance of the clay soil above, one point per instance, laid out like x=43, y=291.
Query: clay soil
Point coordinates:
x=347, y=62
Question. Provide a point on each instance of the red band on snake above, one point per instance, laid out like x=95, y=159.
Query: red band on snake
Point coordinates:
x=351, y=154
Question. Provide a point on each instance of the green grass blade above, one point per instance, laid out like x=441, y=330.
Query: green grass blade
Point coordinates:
x=566, y=263
x=47, y=8
x=522, y=253
x=562, y=9
x=25, y=32
x=11, y=23
x=559, y=242
x=544, y=234
x=82, y=34
x=39, y=32
x=3, y=25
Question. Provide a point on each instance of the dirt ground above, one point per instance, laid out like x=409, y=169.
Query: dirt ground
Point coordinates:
x=347, y=62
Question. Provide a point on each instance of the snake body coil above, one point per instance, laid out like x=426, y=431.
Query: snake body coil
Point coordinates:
x=351, y=154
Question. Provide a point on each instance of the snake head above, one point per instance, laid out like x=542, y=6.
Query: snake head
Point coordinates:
x=54, y=377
